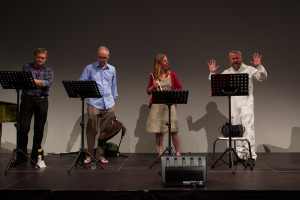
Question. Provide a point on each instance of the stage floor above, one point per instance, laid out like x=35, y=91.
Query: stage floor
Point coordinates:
x=273, y=172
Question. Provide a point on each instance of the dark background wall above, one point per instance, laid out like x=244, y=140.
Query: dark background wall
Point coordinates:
x=190, y=33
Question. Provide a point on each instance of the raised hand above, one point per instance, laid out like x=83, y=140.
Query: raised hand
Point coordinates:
x=256, y=60
x=212, y=66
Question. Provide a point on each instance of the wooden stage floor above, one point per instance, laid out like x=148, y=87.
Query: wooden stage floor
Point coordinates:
x=275, y=176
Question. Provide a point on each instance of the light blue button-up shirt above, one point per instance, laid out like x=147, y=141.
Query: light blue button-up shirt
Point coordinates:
x=106, y=80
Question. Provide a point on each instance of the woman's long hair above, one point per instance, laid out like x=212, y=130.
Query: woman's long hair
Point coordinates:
x=157, y=65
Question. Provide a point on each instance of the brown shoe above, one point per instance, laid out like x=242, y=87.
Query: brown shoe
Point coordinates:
x=251, y=160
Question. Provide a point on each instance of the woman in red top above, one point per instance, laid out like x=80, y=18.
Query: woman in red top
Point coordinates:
x=163, y=79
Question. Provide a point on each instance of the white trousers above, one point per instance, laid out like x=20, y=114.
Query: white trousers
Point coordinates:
x=242, y=112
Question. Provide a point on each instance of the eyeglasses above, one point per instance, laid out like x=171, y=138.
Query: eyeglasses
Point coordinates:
x=102, y=58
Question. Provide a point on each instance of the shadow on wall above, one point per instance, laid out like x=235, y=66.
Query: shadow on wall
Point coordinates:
x=44, y=135
x=5, y=147
x=211, y=121
x=294, y=144
x=146, y=142
x=76, y=132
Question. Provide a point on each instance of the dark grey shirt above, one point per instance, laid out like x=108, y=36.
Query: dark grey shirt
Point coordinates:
x=45, y=76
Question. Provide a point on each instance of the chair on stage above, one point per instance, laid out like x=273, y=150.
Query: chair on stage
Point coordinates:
x=234, y=139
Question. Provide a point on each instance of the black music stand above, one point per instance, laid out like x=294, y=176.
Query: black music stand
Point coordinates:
x=230, y=85
x=82, y=90
x=169, y=97
x=17, y=80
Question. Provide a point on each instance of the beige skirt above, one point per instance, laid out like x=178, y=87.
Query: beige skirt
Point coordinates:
x=159, y=116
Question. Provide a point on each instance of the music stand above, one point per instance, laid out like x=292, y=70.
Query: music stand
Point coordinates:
x=17, y=80
x=169, y=97
x=82, y=90
x=230, y=85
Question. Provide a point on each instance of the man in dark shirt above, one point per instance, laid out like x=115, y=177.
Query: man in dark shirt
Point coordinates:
x=34, y=102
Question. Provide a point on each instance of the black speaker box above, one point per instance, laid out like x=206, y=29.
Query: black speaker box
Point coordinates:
x=183, y=170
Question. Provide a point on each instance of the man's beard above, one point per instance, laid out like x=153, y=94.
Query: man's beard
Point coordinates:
x=236, y=66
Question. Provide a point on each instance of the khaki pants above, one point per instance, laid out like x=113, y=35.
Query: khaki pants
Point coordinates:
x=106, y=117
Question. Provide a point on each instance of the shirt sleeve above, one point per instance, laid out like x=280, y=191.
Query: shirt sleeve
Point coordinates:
x=261, y=73
x=177, y=83
x=150, y=84
x=47, y=80
x=114, y=86
x=85, y=75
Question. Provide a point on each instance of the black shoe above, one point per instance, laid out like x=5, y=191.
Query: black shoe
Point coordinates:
x=35, y=161
x=249, y=162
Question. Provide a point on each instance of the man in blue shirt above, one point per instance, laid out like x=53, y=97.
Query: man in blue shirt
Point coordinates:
x=105, y=76
x=34, y=102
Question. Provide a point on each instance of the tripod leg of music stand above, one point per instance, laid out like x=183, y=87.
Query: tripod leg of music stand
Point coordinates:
x=220, y=158
x=32, y=161
x=75, y=161
x=11, y=160
x=156, y=160
x=235, y=153
x=169, y=149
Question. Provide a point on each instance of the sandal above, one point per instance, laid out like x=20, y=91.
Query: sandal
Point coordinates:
x=87, y=160
x=104, y=161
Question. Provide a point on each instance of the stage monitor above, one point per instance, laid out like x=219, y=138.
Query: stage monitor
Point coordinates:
x=183, y=170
